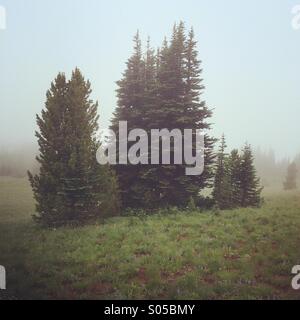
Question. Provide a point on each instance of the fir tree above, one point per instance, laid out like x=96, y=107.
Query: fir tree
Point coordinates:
x=146, y=184
x=234, y=170
x=167, y=114
x=196, y=110
x=47, y=183
x=179, y=90
x=291, y=177
x=130, y=93
x=222, y=186
x=250, y=184
x=71, y=186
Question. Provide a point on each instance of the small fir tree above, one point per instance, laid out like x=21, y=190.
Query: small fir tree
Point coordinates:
x=234, y=170
x=222, y=187
x=250, y=184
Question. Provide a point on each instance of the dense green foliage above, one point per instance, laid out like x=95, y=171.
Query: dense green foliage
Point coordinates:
x=236, y=183
x=70, y=186
x=249, y=182
x=160, y=91
x=222, y=190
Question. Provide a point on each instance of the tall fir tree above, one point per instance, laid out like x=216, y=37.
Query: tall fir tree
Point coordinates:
x=71, y=186
x=146, y=184
x=169, y=109
x=196, y=109
x=250, y=184
x=157, y=93
x=179, y=90
x=291, y=177
x=130, y=94
x=47, y=183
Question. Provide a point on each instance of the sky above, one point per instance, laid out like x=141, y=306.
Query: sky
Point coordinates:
x=250, y=58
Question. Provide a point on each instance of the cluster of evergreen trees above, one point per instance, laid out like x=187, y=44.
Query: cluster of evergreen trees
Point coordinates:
x=158, y=90
x=236, y=183
x=162, y=90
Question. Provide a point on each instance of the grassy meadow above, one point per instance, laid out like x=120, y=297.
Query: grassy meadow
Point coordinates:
x=237, y=254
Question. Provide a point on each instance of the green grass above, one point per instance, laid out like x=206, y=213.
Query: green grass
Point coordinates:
x=238, y=254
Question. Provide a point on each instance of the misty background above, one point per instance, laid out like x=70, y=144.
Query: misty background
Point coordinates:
x=249, y=53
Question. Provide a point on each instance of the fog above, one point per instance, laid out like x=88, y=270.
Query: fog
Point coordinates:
x=250, y=71
x=16, y=161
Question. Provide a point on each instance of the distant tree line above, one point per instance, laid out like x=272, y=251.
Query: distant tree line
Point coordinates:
x=277, y=173
x=15, y=162
x=159, y=89
x=272, y=171
x=290, y=182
